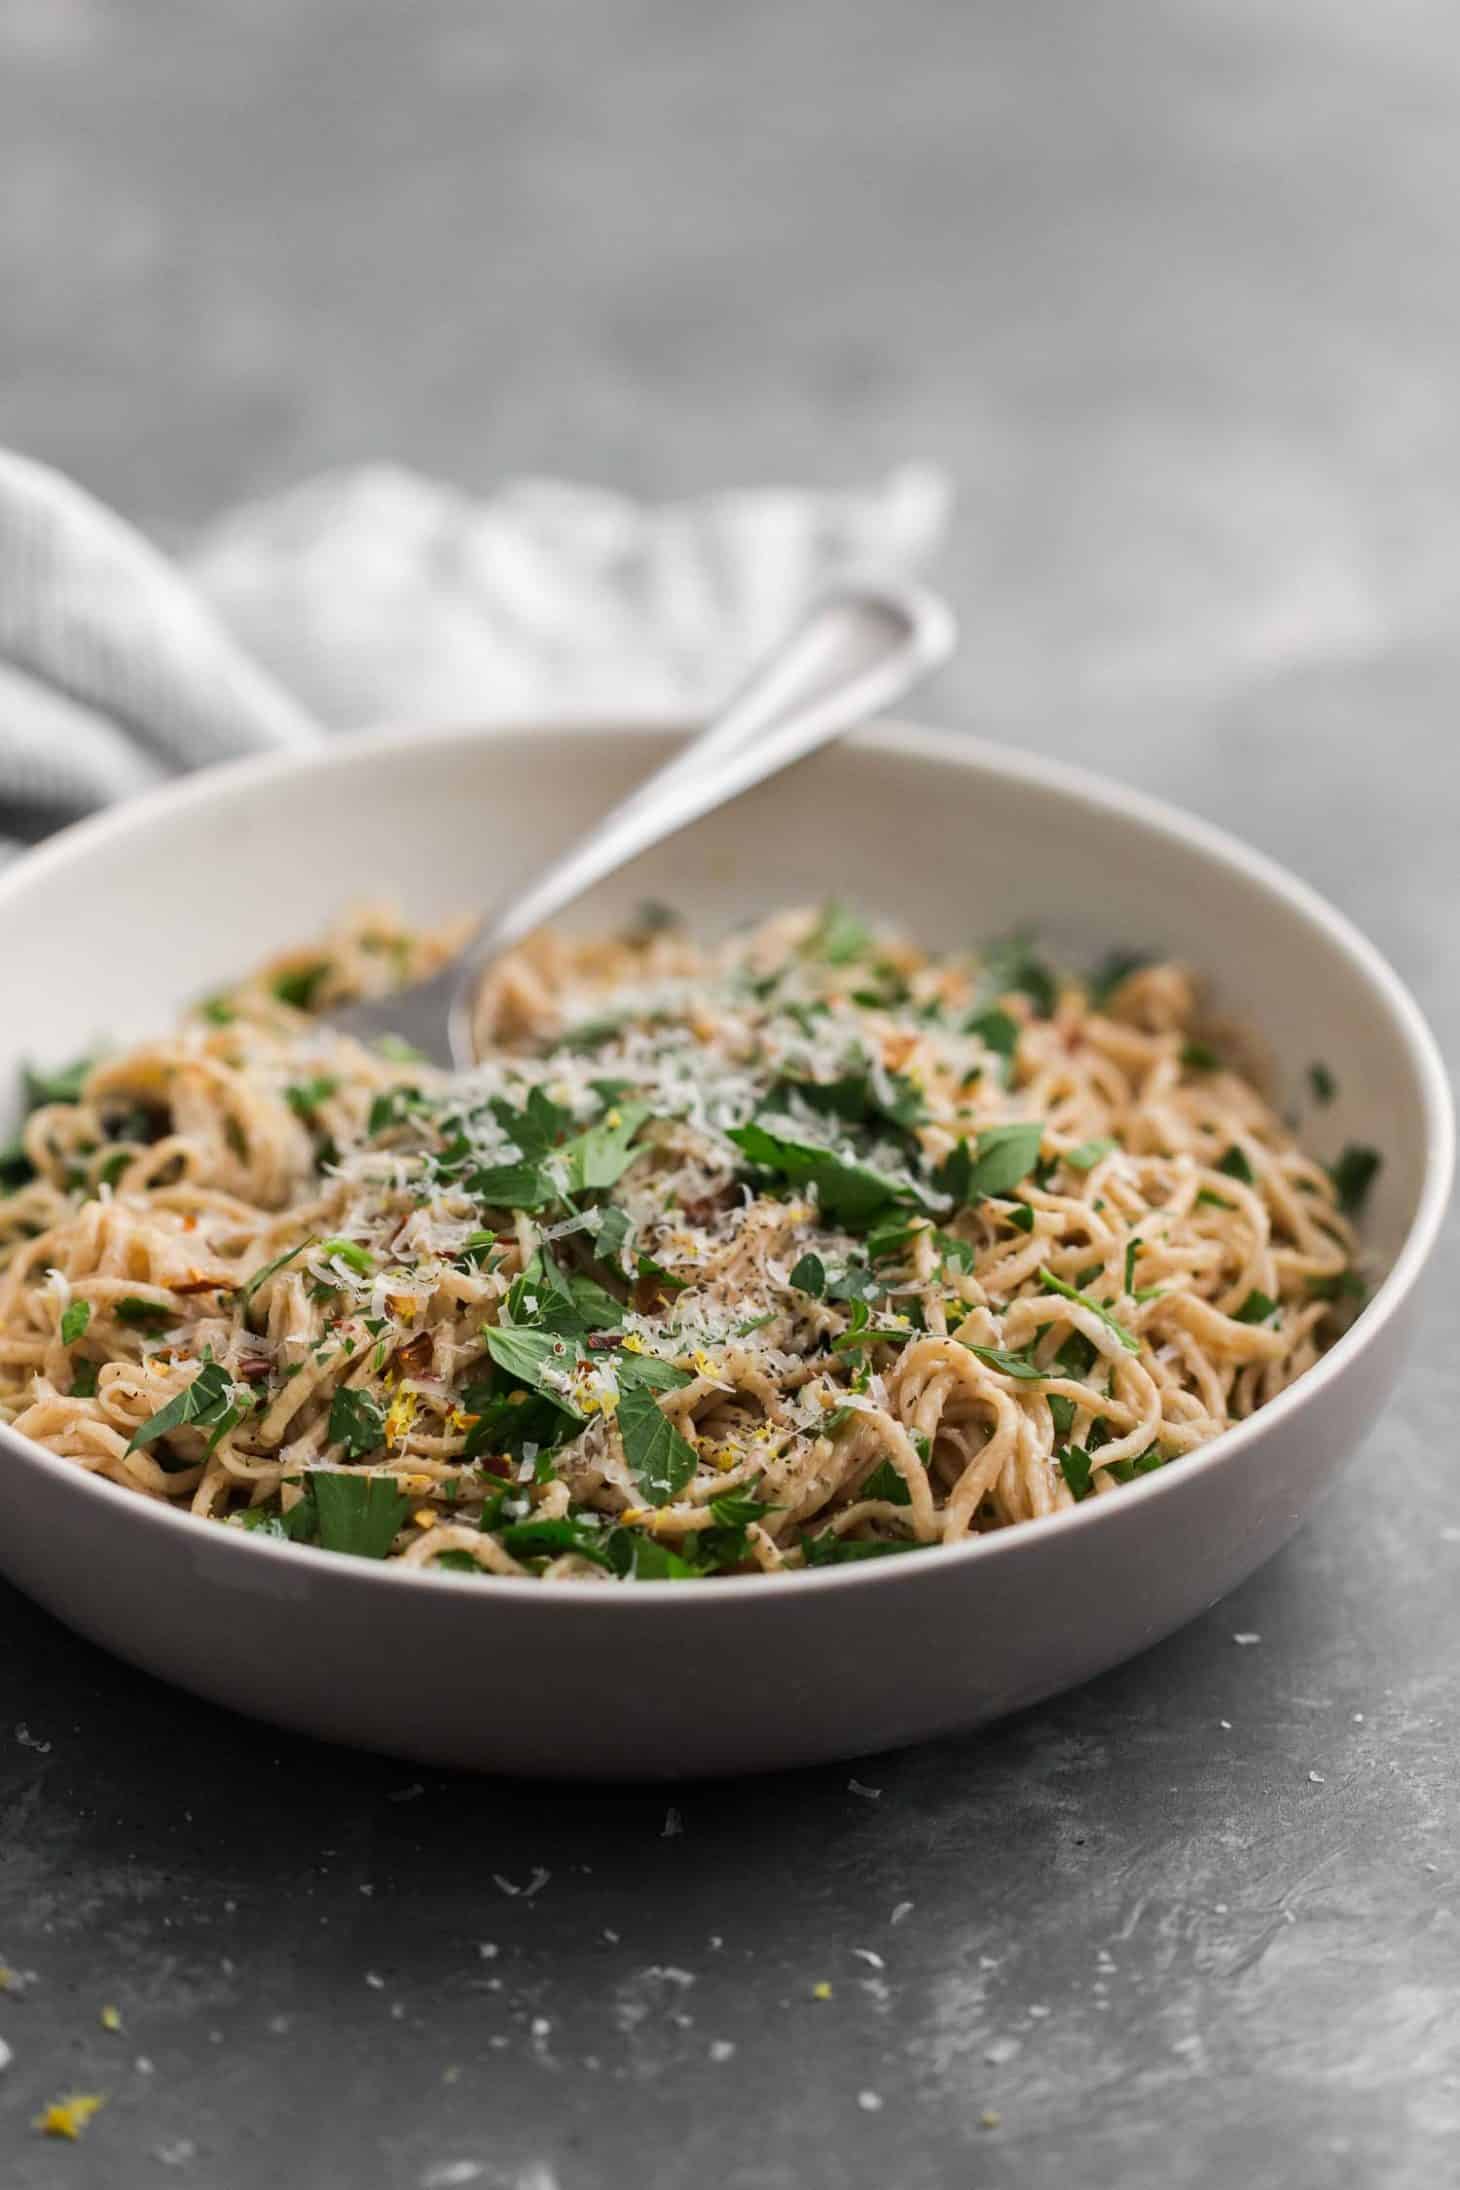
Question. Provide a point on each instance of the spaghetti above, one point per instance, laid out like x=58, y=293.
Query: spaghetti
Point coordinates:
x=805, y=1248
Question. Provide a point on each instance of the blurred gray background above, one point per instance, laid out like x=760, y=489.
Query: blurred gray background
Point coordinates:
x=1170, y=289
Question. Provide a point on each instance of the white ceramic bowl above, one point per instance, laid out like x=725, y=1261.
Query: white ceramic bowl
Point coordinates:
x=121, y=920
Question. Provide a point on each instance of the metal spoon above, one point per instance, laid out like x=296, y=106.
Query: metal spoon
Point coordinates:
x=854, y=653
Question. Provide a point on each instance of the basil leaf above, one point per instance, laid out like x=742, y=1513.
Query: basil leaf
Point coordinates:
x=1213, y=1201
x=357, y=1421
x=661, y=1460
x=1053, y=1284
x=74, y=1321
x=809, y=1276
x=1353, y=1175
x=358, y=1514
x=1256, y=1308
x=83, y=1380
x=206, y=1403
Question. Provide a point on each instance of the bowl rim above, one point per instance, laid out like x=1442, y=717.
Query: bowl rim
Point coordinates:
x=953, y=749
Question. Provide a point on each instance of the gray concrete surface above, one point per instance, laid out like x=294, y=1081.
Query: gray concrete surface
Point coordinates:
x=1171, y=292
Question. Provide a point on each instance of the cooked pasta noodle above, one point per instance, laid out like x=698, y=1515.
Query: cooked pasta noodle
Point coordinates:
x=801, y=1248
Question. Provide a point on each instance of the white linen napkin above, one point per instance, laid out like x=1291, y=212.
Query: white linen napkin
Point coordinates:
x=377, y=595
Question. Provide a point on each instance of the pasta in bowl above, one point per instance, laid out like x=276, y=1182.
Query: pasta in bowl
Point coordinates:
x=803, y=1249
x=187, y=1161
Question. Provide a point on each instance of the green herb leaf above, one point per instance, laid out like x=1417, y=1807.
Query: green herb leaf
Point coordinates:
x=1323, y=1084
x=1236, y=1166
x=809, y=1276
x=1062, y=1413
x=998, y=1030
x=206, y=1403
x=1256, y=1308
x=543, y=1538
x=513, y=1186
x=350, y=1252
x=1002, y=1157
x=613, y=1235
x=661, y=1459
x=651, y=1372
x=1213, y=1201
x=1343, y=1285
x=145, y=1315
x=849, y=1192
x=532, y=1357
x=1132, y=1249
x=74, y=1320
x=63, y=1084
x=305, y=1096
x=356, y=1421
x=1019, y=1365
x=839, y=937
x=1200, y=1057
x=1076, y=1466
x=1353, y=1175
x=831, y=1550
x=1116, y=967
x=1087, y=1155
x=358, y=1514
x=261, y=1277
x=301, y=985
x=1014, y=965
x=599, y=1158
x=83, y=1379
x=1053, y=1284
x=885, y=1483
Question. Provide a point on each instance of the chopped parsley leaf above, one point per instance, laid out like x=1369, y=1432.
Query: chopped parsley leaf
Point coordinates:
x=1053, y=1284
x=76, y=1316
x=1353, y=1175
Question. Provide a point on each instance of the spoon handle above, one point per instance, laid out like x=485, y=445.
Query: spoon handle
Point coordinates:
x=854, y=653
